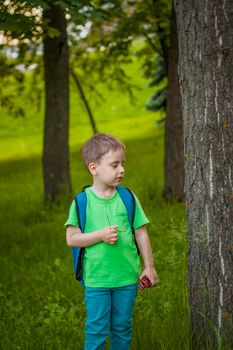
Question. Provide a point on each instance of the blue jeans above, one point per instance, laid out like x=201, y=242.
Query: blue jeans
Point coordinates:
x=109, y=312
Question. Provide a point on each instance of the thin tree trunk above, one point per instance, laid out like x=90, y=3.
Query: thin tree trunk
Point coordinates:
x=174, y=146
x=206, y=64
x=56, y=171
x=85, y=101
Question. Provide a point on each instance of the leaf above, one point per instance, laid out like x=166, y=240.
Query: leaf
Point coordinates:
x=52, y=32
x=101, y=14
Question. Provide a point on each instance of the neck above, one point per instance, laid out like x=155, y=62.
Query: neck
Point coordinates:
x=103, y=190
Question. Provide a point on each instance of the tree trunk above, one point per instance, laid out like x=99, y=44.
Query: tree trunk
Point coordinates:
x=56, y=149
x=205, y=34
x=174, y=146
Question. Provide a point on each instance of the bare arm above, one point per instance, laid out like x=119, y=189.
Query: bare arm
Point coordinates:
x=144, y=246
x=75, y=238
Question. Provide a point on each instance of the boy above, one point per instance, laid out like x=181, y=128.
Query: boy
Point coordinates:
x=111, y=262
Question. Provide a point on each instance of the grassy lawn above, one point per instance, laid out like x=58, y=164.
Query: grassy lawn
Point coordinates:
x=41, y=303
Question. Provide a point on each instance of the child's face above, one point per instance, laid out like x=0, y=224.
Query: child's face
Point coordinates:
x=110, y=169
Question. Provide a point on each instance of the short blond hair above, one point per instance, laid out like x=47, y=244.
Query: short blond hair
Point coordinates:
x=99, y=145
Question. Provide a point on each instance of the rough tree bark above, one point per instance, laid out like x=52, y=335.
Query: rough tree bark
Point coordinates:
x=174, y=146
x=56, y=171
x=205, y=31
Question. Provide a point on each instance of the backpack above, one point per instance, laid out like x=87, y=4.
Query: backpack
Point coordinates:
x=127, y=198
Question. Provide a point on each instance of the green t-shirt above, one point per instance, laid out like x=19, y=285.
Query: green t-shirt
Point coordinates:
x=107, y=265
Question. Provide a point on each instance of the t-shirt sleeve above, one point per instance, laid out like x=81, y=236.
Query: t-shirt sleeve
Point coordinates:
x=140, y=218
x=72, y=218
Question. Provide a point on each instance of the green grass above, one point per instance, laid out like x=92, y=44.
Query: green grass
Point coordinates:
x=41, y=304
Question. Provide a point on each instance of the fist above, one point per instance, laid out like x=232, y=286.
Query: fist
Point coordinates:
x=109, y=234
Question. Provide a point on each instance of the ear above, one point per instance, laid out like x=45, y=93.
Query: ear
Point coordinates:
x=92, y=168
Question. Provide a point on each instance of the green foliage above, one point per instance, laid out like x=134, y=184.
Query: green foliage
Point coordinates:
x=159, y=99
x=112, y=40
x=158, y=70
x=114, y=26
x=52, y=32
x=21, y=20
x=19, y=80
x=14, y=78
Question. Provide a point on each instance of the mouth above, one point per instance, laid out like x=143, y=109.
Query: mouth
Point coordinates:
x=119, y=178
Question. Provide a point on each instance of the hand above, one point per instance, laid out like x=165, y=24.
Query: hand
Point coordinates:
x=151, y=274
x=109, y=234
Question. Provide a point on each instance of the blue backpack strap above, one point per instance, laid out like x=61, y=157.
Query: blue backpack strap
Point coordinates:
x=128, y=199
x=81, y=204
x=78, y=253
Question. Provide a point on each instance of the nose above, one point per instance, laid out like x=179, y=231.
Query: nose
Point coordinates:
x=122, y=169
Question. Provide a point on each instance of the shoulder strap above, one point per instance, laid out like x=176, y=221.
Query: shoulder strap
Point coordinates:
x=128, y=199
x=78, y=253
x=81, y=204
